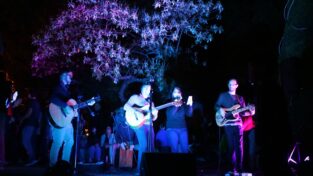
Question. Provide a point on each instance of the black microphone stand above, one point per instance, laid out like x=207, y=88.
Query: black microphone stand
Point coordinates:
x=150, y=142
x=76, y=138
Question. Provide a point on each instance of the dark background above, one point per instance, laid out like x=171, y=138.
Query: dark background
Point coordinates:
x=279, y=84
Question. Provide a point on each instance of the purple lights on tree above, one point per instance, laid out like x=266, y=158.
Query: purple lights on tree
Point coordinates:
x=118, y=41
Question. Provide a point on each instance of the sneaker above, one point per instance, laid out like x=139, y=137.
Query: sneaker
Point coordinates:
x=229, y=173
x=236, y=173
x=99, y=162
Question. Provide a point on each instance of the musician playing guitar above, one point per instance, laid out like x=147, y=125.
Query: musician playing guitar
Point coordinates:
x=62, y=112
x=226, y=106
x=140, y=103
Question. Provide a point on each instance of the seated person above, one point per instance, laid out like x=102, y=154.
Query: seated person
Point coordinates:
x=83, y=147
x=161, y=142
x=126, y=138
x=94, y=147
x=109, y=145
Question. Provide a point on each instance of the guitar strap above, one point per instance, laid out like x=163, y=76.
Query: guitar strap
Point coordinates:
x=52, y=123
x=239, y=100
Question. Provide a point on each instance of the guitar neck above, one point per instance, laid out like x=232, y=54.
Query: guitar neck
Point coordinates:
x=241, y=109
x=81, y=105
x=84, y=104
x=164, y=106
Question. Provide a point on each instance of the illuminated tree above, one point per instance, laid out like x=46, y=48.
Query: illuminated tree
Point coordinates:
x=120, y=41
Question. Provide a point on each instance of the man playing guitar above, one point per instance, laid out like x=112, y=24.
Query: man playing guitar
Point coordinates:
x=230, y=102
x=62, y=111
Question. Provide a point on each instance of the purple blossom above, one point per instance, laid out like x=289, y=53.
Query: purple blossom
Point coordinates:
x=115, y=40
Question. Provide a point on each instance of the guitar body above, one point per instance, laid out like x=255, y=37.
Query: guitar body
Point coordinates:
x=221, y=115
x=58, y=115
x=220, y=119
x=137, y=118
x=61, y=117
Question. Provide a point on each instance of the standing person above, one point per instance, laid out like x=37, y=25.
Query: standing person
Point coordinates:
x=62, y=98
x=30, y=123
x=14, y=146
x=62, y=111
x=140, y=112
x=228, y=104
x=5, y=90
x=249, y=143
x=176, y=128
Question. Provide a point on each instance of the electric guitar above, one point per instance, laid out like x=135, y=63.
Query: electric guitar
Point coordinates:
x=220, y=116
x=11, y=100
x=61, y=117
x=137, y=118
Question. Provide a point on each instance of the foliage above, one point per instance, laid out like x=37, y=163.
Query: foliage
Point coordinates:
x=119, y=41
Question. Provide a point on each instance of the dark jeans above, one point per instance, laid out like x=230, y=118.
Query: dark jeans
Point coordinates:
x=28, y=140
x=249, y=150
x=2, y=137
x=234, y=136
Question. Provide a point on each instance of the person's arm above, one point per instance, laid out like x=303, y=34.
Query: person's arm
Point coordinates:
x=249, y=112
x=218, y=105
x=154, y=112
x=130, y=103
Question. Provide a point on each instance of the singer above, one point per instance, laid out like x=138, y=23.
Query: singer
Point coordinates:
x=176, y=128
x=144, y=133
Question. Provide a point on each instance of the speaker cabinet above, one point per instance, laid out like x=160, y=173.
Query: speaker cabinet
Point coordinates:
x=168, y=164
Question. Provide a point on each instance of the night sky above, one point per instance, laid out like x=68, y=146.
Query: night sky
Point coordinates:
x=247, y=50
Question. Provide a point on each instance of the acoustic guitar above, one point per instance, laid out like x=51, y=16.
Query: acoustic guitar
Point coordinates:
x=61, y=117
x=137, y=118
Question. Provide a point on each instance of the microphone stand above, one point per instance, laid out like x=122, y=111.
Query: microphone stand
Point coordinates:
x=76, y=139
x=151, y=126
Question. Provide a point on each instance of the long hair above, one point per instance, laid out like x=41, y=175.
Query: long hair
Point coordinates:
x=171, y=92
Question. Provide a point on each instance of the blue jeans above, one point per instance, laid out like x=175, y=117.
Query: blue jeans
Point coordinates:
x=94, y=153
x=59, y=136
x=177, y=138
x=142, y=134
